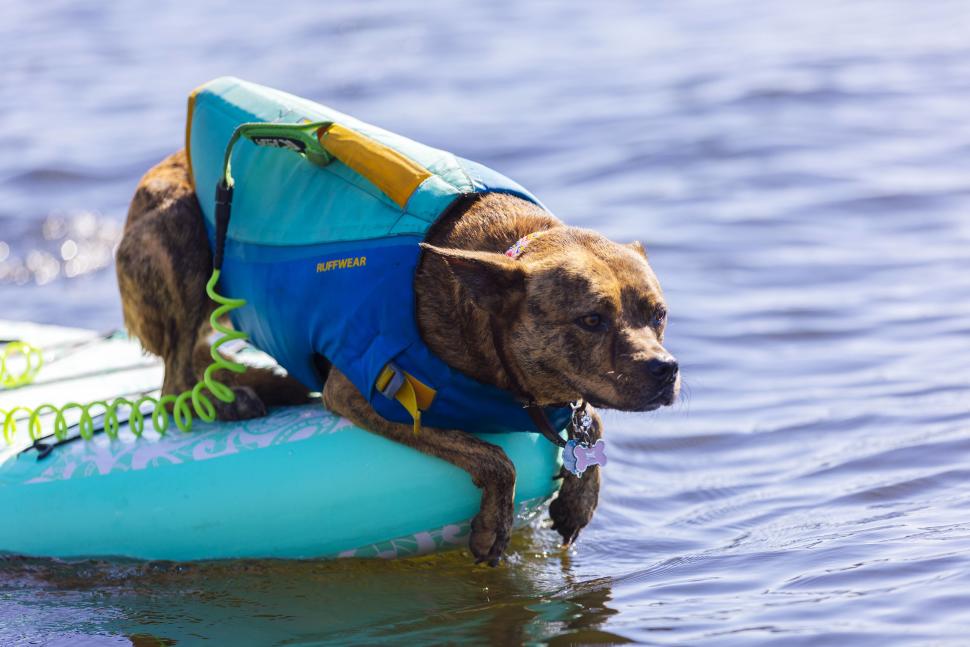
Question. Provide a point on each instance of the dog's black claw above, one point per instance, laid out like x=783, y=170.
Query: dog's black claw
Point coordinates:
x=491, y=561
x=245, y=406
x=568, y=519
x=498, y=548
x=568, y=536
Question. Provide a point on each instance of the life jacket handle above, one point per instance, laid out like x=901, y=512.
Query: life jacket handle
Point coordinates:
x=394, y=174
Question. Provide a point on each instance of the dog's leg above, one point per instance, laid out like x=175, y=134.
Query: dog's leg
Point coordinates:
x=490, y=469
x=575, y=504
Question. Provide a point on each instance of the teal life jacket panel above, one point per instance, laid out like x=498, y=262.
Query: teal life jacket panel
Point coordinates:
x=326, y=260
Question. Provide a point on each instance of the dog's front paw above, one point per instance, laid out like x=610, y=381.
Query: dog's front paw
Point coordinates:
x=246, y=405
x=489, y=538
x=492, y=526
x=573, y=508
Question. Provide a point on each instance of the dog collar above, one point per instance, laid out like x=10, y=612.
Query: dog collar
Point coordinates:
x=516, y=250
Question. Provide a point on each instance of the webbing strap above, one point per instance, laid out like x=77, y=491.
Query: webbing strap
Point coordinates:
x=412, y=393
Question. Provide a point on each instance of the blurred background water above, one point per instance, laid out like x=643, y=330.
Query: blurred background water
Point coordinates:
x=799, y=173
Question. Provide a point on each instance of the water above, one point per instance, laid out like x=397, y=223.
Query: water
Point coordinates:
x=799, y=174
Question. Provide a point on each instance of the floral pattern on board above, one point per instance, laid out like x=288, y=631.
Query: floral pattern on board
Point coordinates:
x=102, y=455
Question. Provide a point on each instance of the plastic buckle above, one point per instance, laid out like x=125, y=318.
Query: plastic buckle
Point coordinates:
x=394, y=384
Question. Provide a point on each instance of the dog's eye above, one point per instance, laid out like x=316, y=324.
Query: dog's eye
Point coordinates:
x=659, y=317
x=591, y=322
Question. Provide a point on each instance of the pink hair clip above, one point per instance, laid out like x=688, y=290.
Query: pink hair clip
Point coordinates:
x=516, y=250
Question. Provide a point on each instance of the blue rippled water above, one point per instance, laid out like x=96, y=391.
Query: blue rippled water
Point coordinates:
x=800, y=175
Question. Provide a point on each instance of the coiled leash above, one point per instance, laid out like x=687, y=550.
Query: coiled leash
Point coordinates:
x=184, y=406
x=21, y=362
x=33, y=361
x=108, y=416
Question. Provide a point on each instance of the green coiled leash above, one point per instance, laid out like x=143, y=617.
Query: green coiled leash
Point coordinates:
x=302, y=138
x=185, y=406
x=33, y=361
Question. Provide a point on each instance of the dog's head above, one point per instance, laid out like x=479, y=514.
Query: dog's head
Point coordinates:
x=581, y=316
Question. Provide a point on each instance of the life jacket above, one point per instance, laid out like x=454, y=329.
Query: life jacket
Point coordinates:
x=325, y=255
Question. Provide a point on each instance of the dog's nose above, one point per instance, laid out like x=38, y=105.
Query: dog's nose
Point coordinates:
x=663, y=370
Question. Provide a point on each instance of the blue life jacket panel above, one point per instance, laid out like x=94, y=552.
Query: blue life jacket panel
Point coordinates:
x=326, y=261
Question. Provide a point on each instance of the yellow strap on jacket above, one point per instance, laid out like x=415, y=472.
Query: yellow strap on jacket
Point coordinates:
x=412, y=393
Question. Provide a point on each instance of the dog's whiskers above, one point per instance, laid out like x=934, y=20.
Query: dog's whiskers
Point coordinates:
x=684, y=397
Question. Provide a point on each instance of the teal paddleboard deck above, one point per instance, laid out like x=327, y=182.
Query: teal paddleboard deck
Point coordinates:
x=299, y=483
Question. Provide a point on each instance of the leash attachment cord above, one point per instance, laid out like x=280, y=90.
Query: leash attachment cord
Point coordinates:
x=184, y=407
x=32, y=359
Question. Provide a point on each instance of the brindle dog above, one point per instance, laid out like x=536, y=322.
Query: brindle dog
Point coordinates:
x=575, y=316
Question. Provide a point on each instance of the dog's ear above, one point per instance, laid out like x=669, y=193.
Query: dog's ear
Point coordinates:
x=637, y=246
x=494, y=281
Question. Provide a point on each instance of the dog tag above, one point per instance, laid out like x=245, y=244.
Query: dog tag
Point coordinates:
x=577, y=457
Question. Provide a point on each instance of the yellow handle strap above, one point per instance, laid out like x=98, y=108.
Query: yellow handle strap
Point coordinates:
x=409, y=400
x=413, y=394
x=394, y=174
